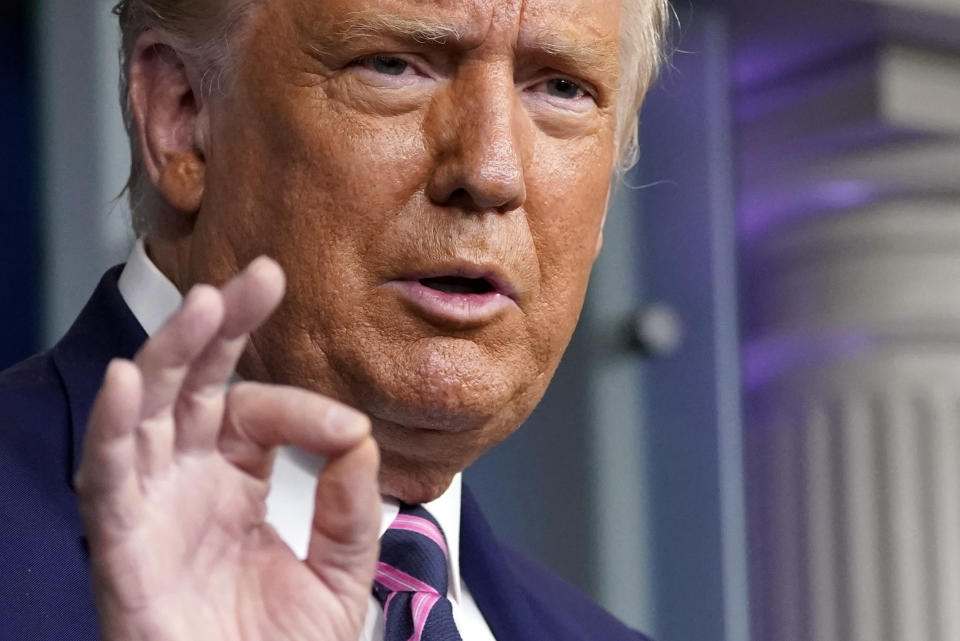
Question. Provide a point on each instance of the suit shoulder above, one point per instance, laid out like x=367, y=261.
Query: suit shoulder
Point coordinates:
x=555, y=597
x=35, y=436
x=30, y=391
x=44, y=591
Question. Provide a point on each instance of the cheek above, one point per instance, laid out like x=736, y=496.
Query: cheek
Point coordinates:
x=341, y=168
x=310, y=179
x=568, y=196
x=343, y=187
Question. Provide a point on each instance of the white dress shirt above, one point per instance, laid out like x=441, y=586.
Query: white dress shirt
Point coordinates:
x=153, y=298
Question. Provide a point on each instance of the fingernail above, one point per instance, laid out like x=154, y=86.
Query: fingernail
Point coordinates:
x=347, y=421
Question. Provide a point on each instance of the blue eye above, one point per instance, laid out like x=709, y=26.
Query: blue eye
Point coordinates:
x=388, y=65
x=563, y=88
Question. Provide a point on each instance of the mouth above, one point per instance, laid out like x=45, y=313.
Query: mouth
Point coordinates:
x=459, y=297
x=458, y=285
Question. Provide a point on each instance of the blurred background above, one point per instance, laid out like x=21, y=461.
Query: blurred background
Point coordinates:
x=760, y=413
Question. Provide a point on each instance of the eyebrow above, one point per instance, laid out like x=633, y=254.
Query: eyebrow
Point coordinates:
x=599, y=55
x=361, y=24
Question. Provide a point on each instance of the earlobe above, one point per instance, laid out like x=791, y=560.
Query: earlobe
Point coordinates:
x=167, y=112
x=182, y=181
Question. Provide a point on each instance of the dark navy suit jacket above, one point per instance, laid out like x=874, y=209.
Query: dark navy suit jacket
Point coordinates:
x=44, y=581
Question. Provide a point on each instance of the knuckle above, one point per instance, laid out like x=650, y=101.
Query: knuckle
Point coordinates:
x=235, y=411
x=200, y=399
x=237, y=398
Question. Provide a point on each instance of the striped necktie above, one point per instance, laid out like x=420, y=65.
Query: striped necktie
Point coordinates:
x=411, y=579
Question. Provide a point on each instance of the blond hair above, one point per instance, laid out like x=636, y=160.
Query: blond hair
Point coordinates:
x=206, y=31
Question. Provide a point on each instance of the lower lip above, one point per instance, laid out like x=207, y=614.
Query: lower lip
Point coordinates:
x=455, y=309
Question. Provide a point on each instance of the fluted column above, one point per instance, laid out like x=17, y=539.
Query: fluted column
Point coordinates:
x=850, y=229
x=855, y=496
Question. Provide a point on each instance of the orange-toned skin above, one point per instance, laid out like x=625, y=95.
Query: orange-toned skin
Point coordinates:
x=350, y=177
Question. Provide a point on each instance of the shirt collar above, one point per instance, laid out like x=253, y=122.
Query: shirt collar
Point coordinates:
x=147, y=292
x=153, y=299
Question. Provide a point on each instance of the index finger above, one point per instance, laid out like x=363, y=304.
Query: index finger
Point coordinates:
x=261, y=417
x=248, y=300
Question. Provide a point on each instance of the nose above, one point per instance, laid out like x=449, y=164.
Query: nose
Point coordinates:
x=479, y=145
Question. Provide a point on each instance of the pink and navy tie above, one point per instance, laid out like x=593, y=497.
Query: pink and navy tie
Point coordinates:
x=411, y=579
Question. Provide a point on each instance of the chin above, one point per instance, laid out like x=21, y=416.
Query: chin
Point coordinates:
x=417, y=464
x=442, y=383
x=447, y=403
x=413, y=482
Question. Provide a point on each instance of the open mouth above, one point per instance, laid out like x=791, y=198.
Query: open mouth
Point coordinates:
x=458, y=296
x=458, y=285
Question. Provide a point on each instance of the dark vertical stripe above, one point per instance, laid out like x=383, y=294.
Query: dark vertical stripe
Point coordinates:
x=19, y=239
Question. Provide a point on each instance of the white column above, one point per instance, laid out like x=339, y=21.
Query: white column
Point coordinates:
x=850, y=221
x=863, y=505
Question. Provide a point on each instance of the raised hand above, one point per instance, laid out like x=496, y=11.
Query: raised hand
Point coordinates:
x=175, y=472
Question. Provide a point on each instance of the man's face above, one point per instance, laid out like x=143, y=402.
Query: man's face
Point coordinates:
x=432, y=175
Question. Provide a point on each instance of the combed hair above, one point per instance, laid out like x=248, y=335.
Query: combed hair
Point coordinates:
x=206, y=32
x=643, y=40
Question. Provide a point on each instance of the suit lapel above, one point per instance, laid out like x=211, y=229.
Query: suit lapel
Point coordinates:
x=492, y=583
x=105, y=329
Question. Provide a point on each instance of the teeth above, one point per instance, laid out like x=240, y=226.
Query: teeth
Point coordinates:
x=458, y=285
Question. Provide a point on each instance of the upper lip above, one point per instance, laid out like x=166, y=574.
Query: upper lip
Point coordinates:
x=500, y=283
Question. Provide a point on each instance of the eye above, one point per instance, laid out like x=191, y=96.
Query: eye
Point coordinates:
x=564, y=88
x=561, y=92
x=387, y=65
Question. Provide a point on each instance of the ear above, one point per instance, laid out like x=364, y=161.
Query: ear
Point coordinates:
x=167, y=109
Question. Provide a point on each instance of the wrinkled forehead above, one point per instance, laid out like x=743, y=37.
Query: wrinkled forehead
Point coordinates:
x=585, y=28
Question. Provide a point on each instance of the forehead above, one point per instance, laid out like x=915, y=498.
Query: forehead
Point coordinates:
x=477, y=23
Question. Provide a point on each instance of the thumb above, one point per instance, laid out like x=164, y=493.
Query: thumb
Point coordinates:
x=344, y=545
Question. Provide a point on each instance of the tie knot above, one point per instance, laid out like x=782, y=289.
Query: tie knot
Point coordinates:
x=413, y=555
